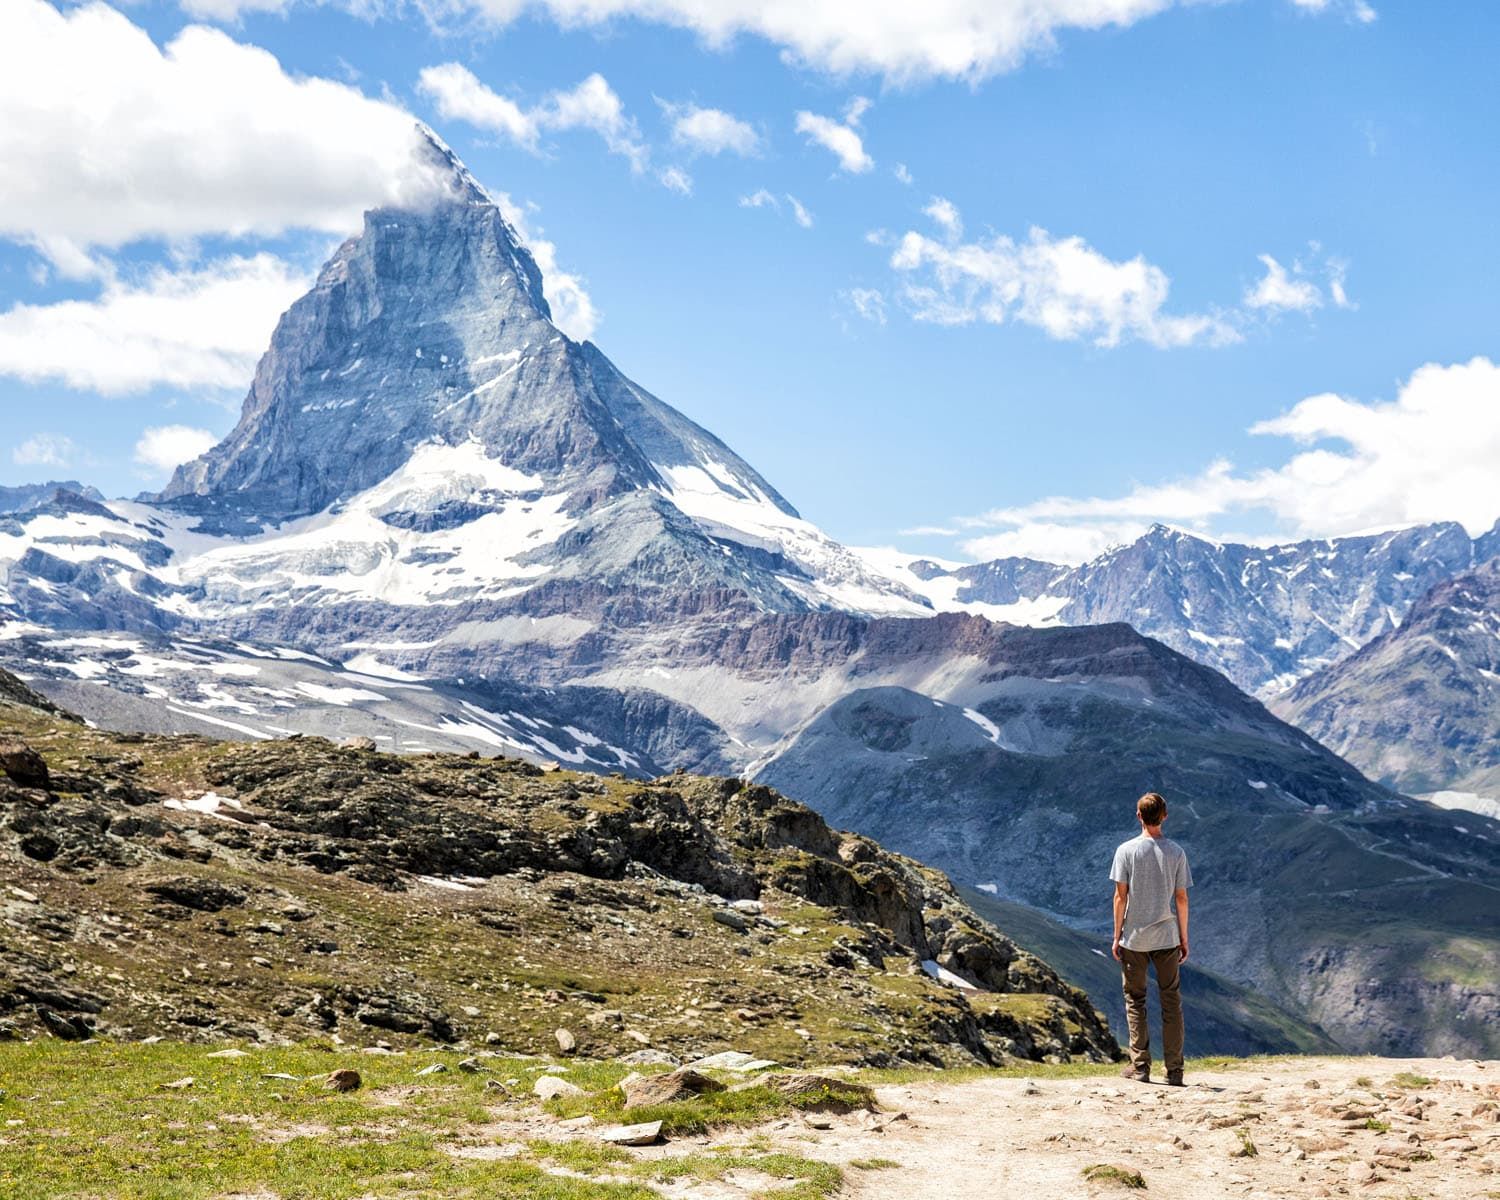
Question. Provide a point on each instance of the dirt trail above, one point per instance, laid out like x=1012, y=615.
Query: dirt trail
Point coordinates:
x=1315, y=1125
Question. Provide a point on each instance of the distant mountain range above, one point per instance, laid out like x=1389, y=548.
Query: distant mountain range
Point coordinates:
x=443, y=524
x=1266, y=617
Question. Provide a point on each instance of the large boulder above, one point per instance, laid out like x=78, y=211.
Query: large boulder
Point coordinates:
x=22, y=764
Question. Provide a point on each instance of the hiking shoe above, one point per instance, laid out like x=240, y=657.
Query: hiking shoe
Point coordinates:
x=1174, y=1079
x=1130, y=1072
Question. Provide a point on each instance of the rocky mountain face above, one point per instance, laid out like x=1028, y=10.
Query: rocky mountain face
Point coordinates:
x=28, y=496
x=1313, y=881
x=442, y=525
x=179, y=886
x=1419, y=707
x=1264, y=616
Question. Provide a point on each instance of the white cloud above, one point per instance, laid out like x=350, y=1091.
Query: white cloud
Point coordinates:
x=902, y=174
x=842, y=140
x=945, y=213
x=202, y=326
x=1277, y=290
x=675, y=179
x=592, y=105
x=163, y=448
x=869, y=303
x=1060, y=285
x=1052, y=542
x=710, y=130
x=1428, y=455
x=107, y=138
x=460, y=96
x=44, y=450
x=1358, y=11
x=904, y=42
x=572, y=307
x=764, y=199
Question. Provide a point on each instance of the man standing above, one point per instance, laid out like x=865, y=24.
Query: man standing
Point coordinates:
x=1151, y=878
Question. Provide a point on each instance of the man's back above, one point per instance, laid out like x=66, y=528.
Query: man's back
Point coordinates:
x=1153, y=868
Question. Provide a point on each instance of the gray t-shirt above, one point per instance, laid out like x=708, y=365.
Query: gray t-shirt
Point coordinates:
x=1154, y=868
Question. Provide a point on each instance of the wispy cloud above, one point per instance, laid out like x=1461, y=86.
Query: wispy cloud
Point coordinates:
x=591, y=105
x=710, y=130
x=841, y=138
x=1428, y=455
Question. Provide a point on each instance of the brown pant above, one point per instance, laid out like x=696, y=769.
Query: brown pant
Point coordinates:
x=1133, y=968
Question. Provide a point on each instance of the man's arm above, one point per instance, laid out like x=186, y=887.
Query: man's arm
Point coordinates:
x=1122, y=895
x=1182, y=922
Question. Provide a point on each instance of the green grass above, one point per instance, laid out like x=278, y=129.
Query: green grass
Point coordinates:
x=97, y=1121
x=1410, y=1079
x=1377, y=1126
x=873, y=1164
x=1114, y=1176
x=1247, y=1145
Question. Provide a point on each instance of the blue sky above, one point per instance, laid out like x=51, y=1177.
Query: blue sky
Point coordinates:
x=1310, y=184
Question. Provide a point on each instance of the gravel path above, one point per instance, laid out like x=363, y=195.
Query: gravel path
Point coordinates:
x=1314, y=1124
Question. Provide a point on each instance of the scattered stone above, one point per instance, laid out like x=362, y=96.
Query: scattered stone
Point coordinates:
x=230, y=1053
x=345, y=1079
x=550, y=1087
x=582, y=1122
x=472, y=1065
x=434, y=1069
x=681, y=1084
x=813, y=1121
x=470, y=1011
x=358, y=743
x=566, y=1042
x=201, y=895
x=632, y=1135
x=21, y=893
x=731, y=919
x=178, y=1085
x=492, y=1038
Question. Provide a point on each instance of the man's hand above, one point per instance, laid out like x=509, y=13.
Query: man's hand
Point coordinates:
x=1115, y=950
x=1182, y=953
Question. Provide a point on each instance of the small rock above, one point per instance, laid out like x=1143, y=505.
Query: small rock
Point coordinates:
x=632, y=1135
x=345, y=1079
x=21, y=893
x=492, y=1038
x=434, y=1069
x=566, y=1042
x=733, y=920
x=582, y=1122
x=550, y=1087
x=230, y=1053
x=816, y=1122
x=472, y=1065
x=178, y=1085
x=732, y=1060
x=835, y=1095
x=752, y=908
x=358, y=743
x=470, y=1011
x=681, y=1084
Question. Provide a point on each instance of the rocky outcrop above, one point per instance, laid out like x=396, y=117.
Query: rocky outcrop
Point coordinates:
x=279, y=889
